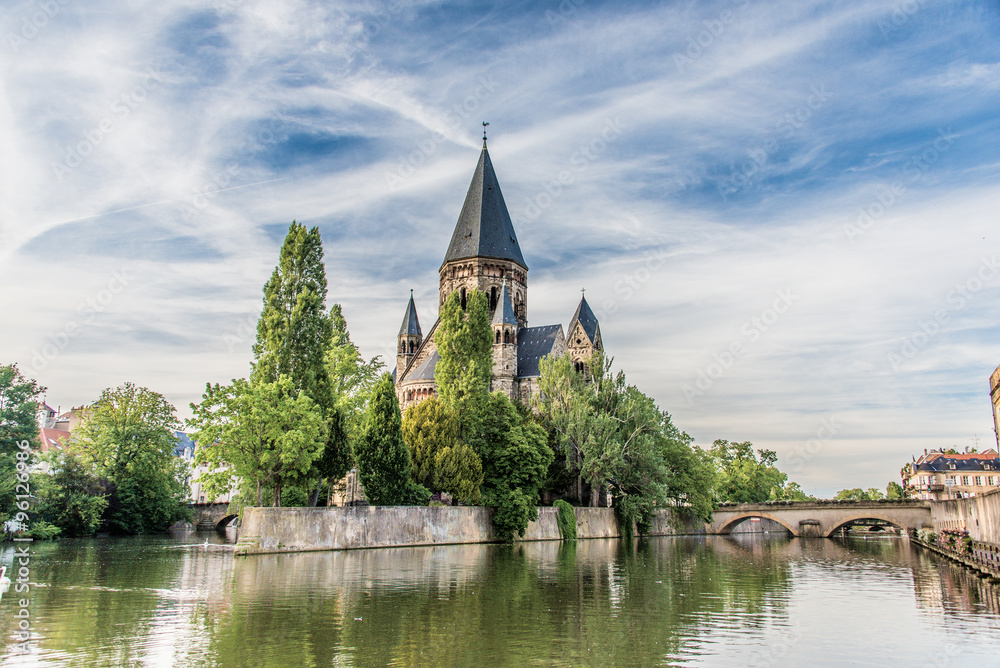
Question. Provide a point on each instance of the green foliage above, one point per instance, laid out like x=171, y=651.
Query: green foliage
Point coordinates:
x=458, y=470
x=293, y=331
x=42, y=530
x=264, y=434
x=337, y=457
x=616, y=437
x=352, y=379
x=127, y=438
x=439, y=459
x=71, y=497
x=743, y=476
x=566, y=518
x=18, y=423
x=858, y=494
x=382, y=457
x=894, y=491
x=790, y=492
x=516, y=457
x=465, y=343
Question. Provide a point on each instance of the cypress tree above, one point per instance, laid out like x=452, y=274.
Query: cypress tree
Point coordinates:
x=383, y=459
x=294, y=331
x=465, y=343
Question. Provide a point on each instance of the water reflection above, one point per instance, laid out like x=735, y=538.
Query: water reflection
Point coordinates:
x=663, y=601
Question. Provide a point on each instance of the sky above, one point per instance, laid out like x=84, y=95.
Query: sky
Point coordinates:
x=783, y=213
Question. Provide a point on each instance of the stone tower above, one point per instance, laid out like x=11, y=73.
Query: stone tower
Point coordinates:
x=505, y=329
x=409, y=338
x=584, y=335
x=484, y=252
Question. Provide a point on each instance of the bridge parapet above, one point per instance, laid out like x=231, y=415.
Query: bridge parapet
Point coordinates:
x=822, y=518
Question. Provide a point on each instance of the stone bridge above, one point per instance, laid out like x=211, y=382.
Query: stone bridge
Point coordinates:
x=811, y=518
x=211, y=516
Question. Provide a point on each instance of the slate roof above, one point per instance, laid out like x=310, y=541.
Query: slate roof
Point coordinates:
x=425, y=370
x=586, y=318
x=534, y=343
x=185, y=446
x=504, y=314
x=411, y=325
x=484, y=228
x=962, y=462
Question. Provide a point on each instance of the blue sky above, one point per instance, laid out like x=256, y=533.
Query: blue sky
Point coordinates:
x=784, y=213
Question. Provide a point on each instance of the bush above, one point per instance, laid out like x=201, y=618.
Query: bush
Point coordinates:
x=42, y=530
x=566, y=518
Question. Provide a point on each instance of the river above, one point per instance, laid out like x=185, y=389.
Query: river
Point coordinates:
x=698, y=601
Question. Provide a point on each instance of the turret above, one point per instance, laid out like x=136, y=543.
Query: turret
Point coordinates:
x=584, y=335
x=505, y=328
x=409, y=339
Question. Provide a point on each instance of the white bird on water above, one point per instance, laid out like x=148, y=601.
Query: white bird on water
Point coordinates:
x=4, y=580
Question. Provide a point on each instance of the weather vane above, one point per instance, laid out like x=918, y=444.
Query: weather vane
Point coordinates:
x=484, y=131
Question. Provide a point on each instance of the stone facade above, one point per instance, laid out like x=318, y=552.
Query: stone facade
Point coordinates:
x=484, y=255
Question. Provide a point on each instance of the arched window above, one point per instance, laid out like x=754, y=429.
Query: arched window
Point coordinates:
x=493, y=298
x=411, y=347
x=506, y=336
x=463, y=299
x=498, y=336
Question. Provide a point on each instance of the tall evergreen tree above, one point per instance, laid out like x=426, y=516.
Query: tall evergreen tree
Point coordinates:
x=465, y=343
x=383, y=459
x=18, y=423
x=294, y=332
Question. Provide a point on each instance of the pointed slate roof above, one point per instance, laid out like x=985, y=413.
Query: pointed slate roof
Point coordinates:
x=534, y=343
x=484, y=228
x=504, y=315
x=586, y=318
x=410, y=323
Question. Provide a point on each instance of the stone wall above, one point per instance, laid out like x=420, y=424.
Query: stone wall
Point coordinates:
x=270, y=530
x=979, y=515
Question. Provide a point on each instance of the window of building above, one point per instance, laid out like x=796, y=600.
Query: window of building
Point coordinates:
x=965, y=480
x=979, y=480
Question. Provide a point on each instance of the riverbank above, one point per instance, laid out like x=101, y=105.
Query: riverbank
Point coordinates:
x=276, y=530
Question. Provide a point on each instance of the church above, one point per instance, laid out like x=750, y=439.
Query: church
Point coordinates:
x=484, y=254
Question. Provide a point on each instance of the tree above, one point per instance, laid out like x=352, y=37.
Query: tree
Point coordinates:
x=293, y=332
x=743, y=477
x=71, y=497
x=894, y=491
x=617, y=438
x=858, y=494
x=465, y=343
x=790, y=492
x=18, y=423
x=516, y=457
x=127, y=437
x=352, y=379
x=382, y=457
x=264, y=434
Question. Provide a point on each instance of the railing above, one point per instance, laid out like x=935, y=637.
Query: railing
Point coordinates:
x=956, y=545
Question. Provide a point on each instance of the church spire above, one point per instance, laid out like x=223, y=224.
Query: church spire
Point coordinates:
x=504, y=315
x=484, y=228
x=411, y=325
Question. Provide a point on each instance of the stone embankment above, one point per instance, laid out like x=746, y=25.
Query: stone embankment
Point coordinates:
x=270, y=530
x=977, y=516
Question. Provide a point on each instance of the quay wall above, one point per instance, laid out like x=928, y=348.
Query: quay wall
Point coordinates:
x=979, y=515
x=272, y=530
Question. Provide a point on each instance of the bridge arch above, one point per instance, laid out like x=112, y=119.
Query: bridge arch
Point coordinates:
x=224, y=522
x=841, y=522
x=731, y=522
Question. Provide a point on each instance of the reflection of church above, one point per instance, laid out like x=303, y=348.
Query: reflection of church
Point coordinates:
x=484, y=254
